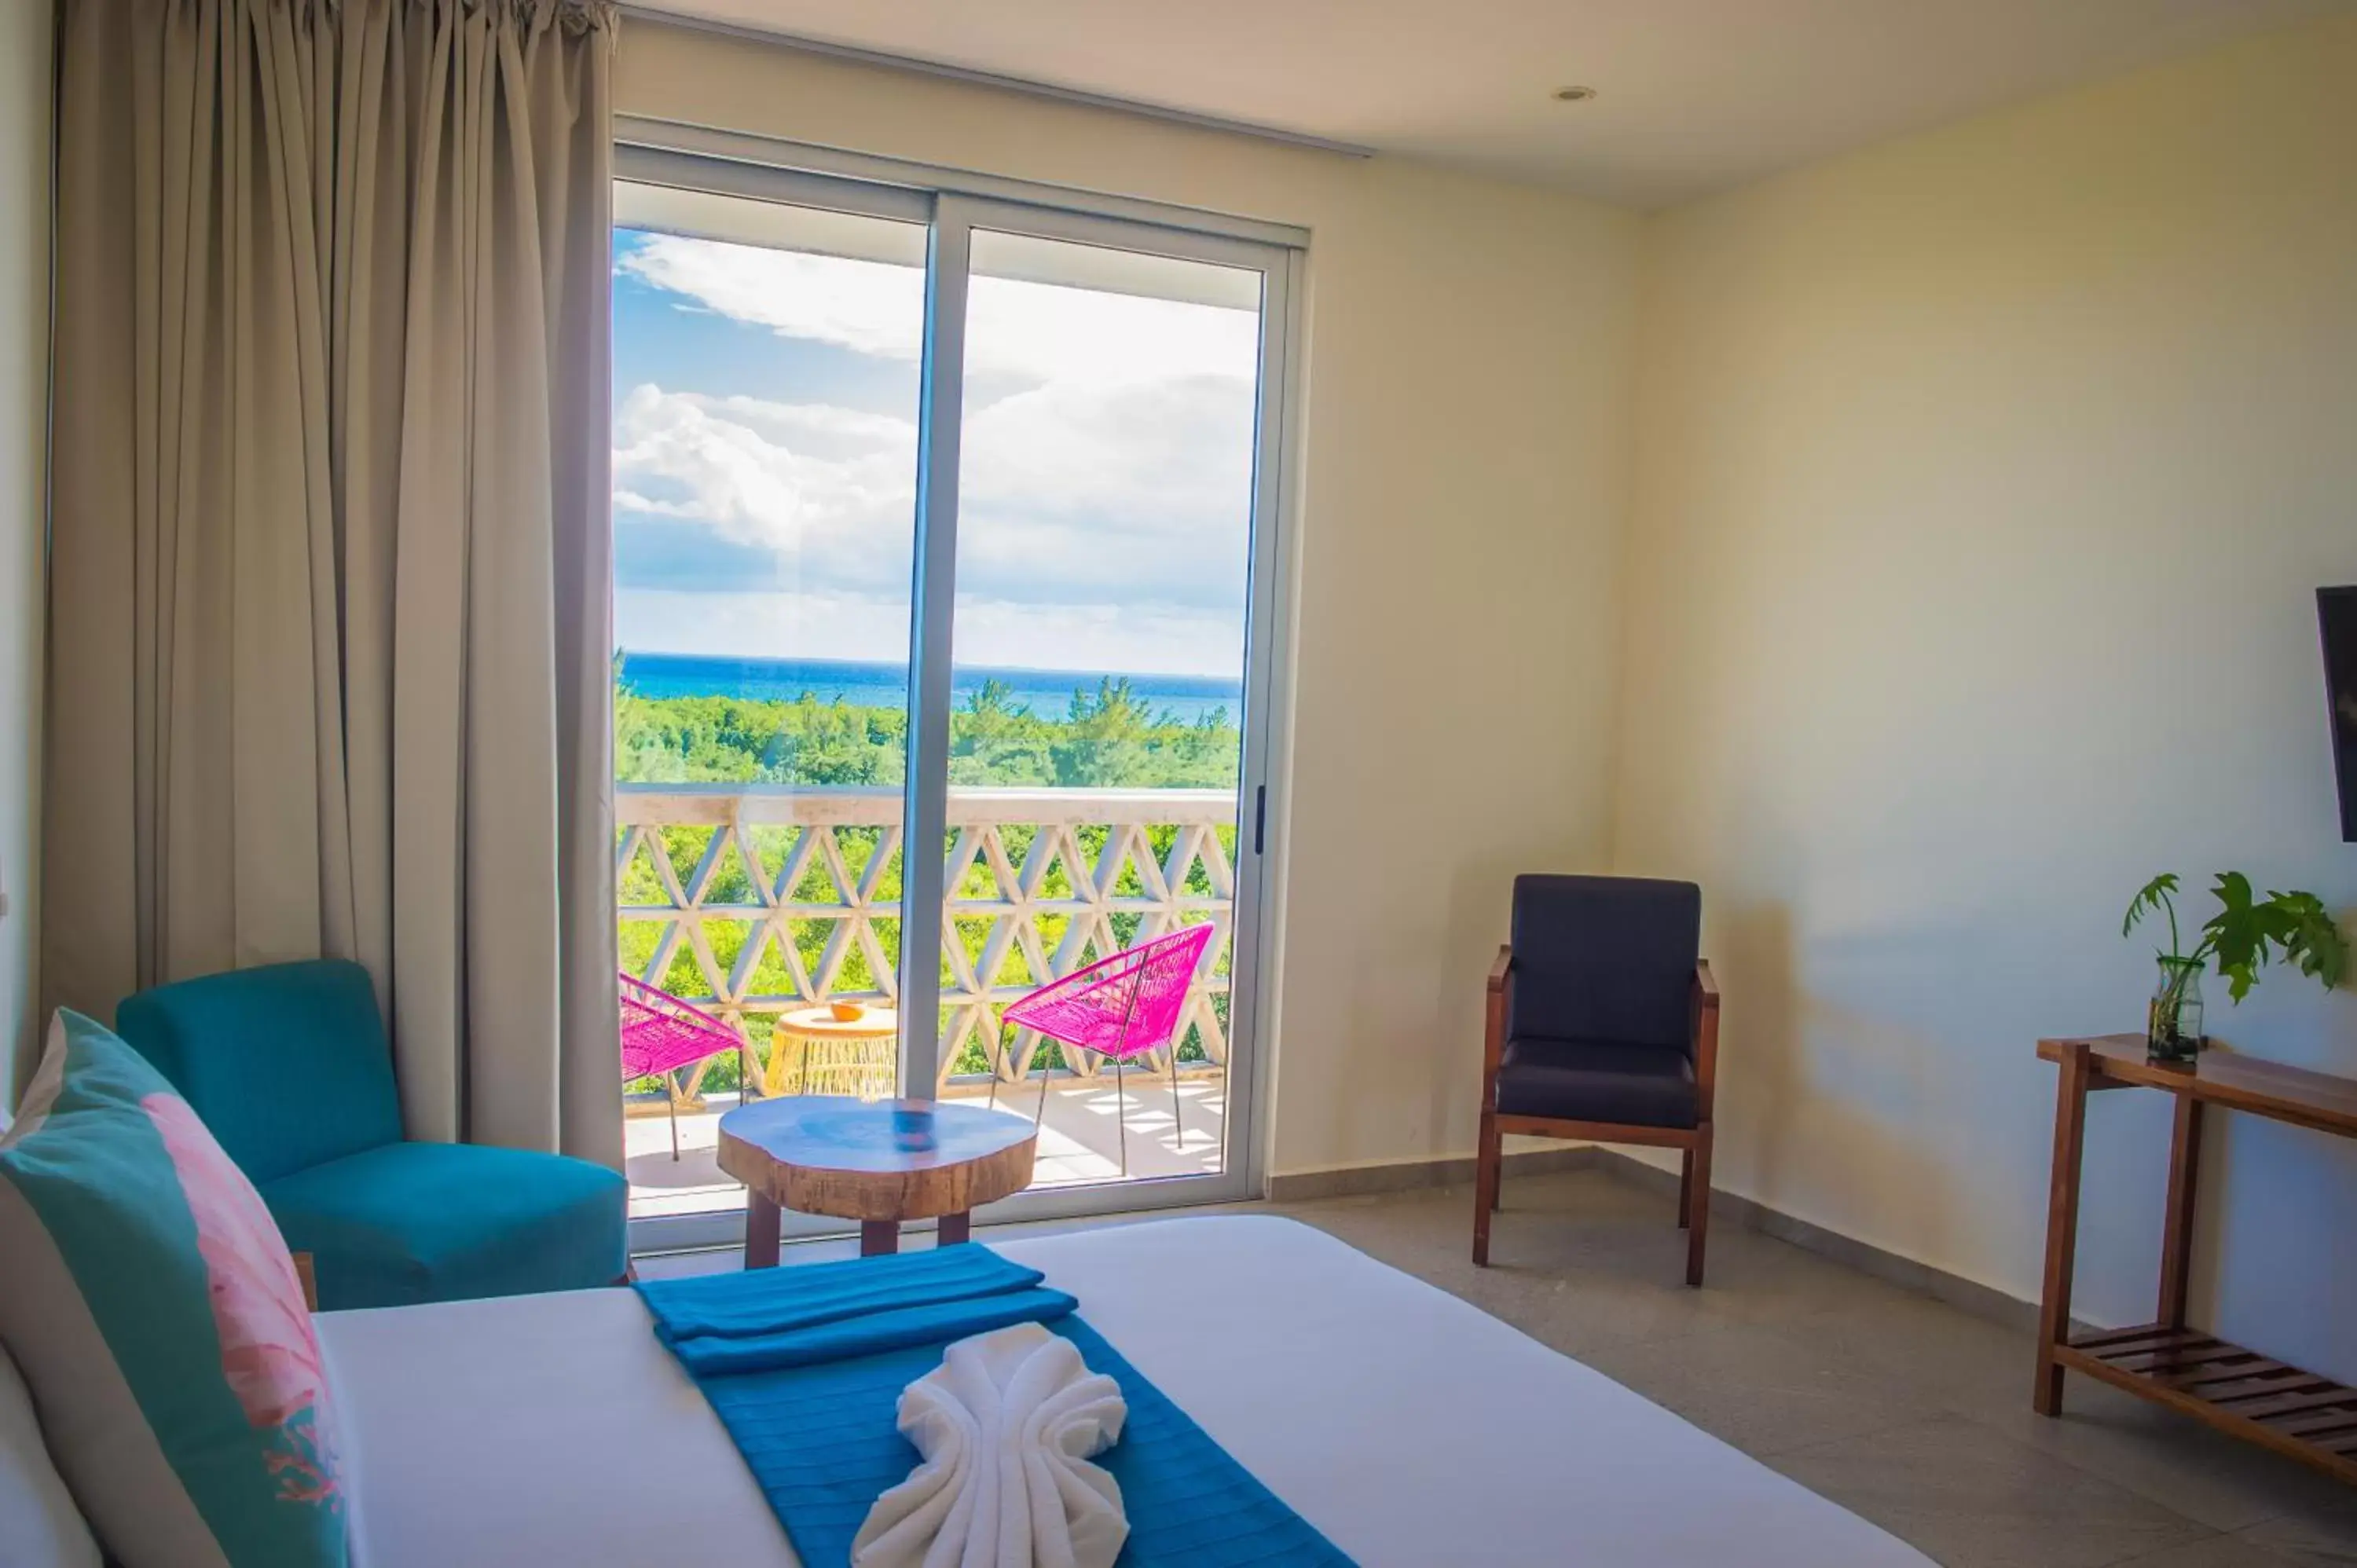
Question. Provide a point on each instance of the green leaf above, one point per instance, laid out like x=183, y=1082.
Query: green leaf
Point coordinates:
x=2294, y=925
x=2311, y=939
x=2153, y=899
x=2239, y=934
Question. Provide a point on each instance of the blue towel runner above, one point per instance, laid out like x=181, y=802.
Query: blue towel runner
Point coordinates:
x=815, y=1421
x=767, y=1300
x=929, y=1324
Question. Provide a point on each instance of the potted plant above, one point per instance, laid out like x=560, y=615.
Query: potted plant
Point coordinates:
x=2241, y=936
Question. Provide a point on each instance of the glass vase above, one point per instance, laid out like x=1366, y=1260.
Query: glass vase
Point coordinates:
x=2173, y=1020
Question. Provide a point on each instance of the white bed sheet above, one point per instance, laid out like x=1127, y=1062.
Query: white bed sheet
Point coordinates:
x=554, y=1431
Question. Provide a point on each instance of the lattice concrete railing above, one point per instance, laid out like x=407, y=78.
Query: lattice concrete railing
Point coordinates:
x=780, y=896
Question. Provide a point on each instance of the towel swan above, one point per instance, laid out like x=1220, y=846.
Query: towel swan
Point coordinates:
x=1006, y=1427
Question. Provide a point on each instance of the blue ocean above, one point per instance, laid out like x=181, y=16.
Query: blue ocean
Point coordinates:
x=1048, y=693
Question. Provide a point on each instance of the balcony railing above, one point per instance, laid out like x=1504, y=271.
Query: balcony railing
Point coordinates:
x=785, y=897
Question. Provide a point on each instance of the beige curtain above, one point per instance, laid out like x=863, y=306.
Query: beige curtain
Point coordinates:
x=330, y=614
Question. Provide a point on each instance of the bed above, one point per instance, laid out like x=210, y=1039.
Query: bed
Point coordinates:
x=1409, y=1427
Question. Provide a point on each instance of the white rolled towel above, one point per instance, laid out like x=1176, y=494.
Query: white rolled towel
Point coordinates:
x=1006, y=1426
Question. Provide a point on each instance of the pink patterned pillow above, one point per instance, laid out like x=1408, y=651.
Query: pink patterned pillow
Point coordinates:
x=160, y=1322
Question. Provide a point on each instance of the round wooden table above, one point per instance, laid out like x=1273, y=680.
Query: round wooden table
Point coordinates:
x=880, y=1163
x=871, y=1074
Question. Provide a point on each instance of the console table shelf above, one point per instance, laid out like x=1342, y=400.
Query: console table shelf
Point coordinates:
x=2239, y=1391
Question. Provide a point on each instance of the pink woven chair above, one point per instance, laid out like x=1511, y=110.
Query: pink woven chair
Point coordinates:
x=661, y=1034
x=1123, y=1006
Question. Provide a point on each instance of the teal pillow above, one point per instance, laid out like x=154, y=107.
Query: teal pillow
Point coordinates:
x=157, y=1319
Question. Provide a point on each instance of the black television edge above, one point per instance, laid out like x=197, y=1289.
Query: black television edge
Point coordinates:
x=2336, y=610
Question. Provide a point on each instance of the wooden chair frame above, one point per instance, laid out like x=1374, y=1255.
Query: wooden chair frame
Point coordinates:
x=1693, y=1183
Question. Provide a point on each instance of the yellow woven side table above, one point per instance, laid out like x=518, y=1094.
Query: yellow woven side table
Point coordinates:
x=812, y=1051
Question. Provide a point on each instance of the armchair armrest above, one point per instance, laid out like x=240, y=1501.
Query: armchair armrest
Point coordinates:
x=1493, y=1031
x=1706, y=1038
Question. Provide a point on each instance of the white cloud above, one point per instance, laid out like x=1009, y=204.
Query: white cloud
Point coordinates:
x=1027, y=331
x=1044, y=332
x=830, y=491
x=869, y=307
x=1137, y=494
x=1105, y=507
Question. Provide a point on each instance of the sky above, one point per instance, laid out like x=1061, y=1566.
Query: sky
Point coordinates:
x=765, y=444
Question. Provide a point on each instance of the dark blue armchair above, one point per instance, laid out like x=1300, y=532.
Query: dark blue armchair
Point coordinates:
x=288, y=1067
x=1603, y=1026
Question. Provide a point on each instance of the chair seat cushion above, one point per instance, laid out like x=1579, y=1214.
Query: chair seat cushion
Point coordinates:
x=1597, y=1081
x=405, y=1223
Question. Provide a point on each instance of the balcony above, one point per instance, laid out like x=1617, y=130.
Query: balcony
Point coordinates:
x=753, y=901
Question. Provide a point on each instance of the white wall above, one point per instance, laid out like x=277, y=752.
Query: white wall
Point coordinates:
x=1461, y=495
x=1984, y=480
x=24, y=395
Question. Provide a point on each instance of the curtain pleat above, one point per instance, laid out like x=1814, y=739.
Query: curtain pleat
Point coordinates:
x=330, y=612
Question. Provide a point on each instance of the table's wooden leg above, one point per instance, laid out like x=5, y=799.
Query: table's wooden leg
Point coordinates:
x=878, y=1238
x=2061, y=1225
x=954, y=1228
x=762, y=1219
x=2176, y=1229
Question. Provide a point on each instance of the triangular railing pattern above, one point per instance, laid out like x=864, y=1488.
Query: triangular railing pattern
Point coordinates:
x=757, y=899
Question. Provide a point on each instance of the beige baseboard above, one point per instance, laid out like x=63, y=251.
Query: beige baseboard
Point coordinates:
x=1967, y=1296
x=1403, y=1176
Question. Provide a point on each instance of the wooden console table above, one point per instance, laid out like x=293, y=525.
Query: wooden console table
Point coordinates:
x=2240, y=1391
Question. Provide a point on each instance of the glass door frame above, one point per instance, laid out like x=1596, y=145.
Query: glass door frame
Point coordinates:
x=953, y=206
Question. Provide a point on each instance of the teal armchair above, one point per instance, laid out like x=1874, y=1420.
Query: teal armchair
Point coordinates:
x=288, y=1067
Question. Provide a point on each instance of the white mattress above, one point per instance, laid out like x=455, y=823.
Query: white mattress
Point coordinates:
x=554, y=1431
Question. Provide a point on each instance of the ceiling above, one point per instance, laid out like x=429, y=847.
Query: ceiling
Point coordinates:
x=1693, y=95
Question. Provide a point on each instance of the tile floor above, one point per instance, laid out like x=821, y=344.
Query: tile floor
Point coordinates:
x=1902, y=1409
x=1897, y=1406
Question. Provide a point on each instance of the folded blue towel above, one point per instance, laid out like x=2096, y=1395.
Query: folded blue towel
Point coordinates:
x=770, y=1301
x=822, y=1444
x=811, y=1404
x=933, y=1323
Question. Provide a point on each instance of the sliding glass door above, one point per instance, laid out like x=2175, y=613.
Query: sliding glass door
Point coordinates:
x=1097, y=649
x=944, y=532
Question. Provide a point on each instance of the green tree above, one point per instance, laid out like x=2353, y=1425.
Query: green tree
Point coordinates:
x=1107, y=739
